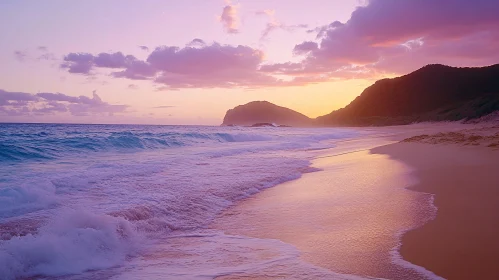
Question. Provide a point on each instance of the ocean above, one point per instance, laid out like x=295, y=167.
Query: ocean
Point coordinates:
x=135, y=202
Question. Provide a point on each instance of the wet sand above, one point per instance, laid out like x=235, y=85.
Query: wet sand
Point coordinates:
x=462, y=242
x=346, y=218
x=372, y=212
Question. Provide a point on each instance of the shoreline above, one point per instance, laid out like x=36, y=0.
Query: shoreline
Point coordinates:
x=287, y=205
x=335, y=217
x=461, y=241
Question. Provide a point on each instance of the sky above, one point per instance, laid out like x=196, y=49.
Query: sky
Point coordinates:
x=189, y=61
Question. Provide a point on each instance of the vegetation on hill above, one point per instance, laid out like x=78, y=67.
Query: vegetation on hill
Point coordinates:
x=432, y=93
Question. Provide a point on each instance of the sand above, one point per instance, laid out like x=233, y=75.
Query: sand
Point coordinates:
x=462, y=242
x=346, y=218
x=371, y=212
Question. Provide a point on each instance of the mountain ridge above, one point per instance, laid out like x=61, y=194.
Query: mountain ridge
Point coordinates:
x=434, y=92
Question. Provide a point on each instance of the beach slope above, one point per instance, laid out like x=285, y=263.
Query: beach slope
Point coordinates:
x=462, y=241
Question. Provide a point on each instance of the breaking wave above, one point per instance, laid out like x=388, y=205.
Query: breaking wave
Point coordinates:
x=75, y=198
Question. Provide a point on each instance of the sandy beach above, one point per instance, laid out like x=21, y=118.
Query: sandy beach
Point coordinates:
x=373, y=212
x=461, y=242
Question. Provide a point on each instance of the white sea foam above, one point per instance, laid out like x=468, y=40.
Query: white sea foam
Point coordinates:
x=430, y=211
x=208, y=254
x=135, y=190
x=73, y=242
x=29, y=195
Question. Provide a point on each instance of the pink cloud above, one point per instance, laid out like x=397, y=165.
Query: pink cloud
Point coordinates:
x=210, y=66
x=196, y=43
x=381, y=38
x=20, y=55
x=144, y=48
x=230, y=18
x=273, y=24
x=137, y=70
x=305, y=48
x=83, y=63
x=200, y=66
x=401, y=36
x=113, y=60
x=43, y=54
x=22, y=103
x=78, y=63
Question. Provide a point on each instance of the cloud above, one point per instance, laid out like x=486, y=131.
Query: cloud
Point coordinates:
x=381, y=38
x=133, y=86
x=113, y=60
x=47, y=56
x=401, y=36
x=83, y=63
x=144, y=48
x=21, y=103
x=137, y=70
x=207, y=67
x=164, y=107
x=21, y=55
x=202, y=66
x=78, y=63
x=265, y=13
x=196, y=43
x=305, y=48
x=230, y=18
x=273, y=24
x=44, y=54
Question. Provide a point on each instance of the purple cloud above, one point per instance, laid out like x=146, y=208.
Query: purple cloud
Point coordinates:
x=21, y=103
x=383, y=37
x=144, y=48
x=20, y=55
x=230, y=18
x=94, y=105
x=210, y=66
x=305, y=48
x=49, y=96
x=401, y=36
x=273, y=24
x=47, y=56
x=44, y=54
x=137, y=70
x=196, y=43
x=83, y=63
x=78, y=63
x=201, y=66
x=50, y=107
x=113, y=60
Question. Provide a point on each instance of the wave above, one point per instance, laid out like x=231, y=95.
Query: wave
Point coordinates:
x=75, y=242
x=141, y=184
x=45, y=146
x=26, y=197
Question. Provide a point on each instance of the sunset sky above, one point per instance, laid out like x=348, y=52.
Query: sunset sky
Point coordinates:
x=187, y=62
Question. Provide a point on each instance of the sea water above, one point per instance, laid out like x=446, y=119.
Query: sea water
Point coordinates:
x=133, y=202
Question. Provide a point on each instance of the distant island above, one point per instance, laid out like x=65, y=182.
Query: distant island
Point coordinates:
x=263, y=113
x=432, y=93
